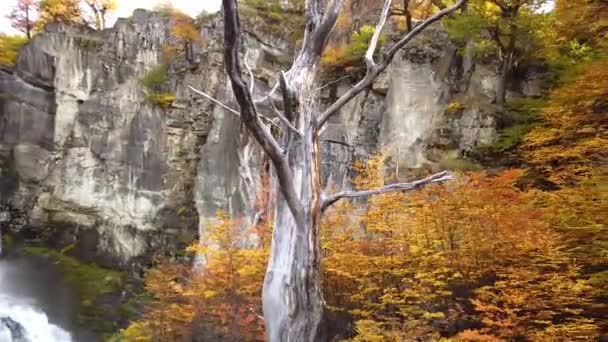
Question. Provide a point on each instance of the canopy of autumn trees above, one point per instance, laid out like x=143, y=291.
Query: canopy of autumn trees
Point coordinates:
x=476, y=260
x=30, y=16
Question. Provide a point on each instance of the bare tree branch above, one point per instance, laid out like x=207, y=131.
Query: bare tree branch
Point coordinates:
x=217, y=102
x=284, y=120
x=323, y=31
x=333, y=82
x=226, y=107
x=251, y=77
x=268, y=95
x=249, y=114
x=369, y=54
x=436, y=178
x=373, y=72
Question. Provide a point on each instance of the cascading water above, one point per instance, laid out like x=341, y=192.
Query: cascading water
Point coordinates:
x=21, y=319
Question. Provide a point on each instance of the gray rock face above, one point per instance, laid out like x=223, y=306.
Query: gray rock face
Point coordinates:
x=116, y=175
x=408, y=116
x=90, y=152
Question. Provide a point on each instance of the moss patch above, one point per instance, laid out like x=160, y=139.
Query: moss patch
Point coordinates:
x=520, y=117
x=92, y=283
x=161, y=99
x=7, y=242
x=458, y=164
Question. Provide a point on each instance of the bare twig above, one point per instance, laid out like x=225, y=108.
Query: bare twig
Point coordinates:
x=284, y=120
x=436, y=178
x=268, y=95
x=333, y=82
x=217, y=102
x=338, y=142
x=251, y=78
x=226, y=107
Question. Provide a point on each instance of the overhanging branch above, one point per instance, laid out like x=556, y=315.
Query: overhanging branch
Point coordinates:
x=373, y=69
x=436, y=178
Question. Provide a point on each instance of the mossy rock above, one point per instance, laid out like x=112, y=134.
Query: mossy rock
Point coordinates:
x=91, y=282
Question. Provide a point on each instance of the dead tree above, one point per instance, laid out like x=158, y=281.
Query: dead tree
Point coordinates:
x=292, y=299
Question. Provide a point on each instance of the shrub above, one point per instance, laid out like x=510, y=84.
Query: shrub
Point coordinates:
x=184, y=28
x=156, y=79
x=156, y=83
x=161, y=99
x=522, y=116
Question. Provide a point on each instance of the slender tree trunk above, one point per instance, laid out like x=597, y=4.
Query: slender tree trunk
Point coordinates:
x=503, y=77
x=506, y=64
x=102, y=19
x=28, y=25
x=408, y=15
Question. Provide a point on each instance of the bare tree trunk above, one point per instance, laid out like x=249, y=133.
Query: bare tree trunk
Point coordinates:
x=292, y=299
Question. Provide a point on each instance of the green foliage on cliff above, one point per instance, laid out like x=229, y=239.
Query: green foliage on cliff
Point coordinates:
x=270, y=18
x=156, y=83
x=9, y=48
x=349, y=57
x=520, y=117
x=156, y=79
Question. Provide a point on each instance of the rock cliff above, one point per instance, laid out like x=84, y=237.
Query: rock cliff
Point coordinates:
x=86, y=159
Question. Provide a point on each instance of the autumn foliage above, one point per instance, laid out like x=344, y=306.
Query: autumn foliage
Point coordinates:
x=472, y=254
x=572, y=143
x=474, y=260
x=219, y=300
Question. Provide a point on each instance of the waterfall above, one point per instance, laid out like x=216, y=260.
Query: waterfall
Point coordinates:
x=20, y=319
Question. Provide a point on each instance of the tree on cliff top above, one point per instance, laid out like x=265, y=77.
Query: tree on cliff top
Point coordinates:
x=292, y=300
x=100, y=9
x=504, y=28
x=59, y=11
x=22, y=17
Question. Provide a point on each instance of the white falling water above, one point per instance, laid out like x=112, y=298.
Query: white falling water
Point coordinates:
x=35, y=324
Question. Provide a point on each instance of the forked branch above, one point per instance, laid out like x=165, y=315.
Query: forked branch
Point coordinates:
x=249, y=115
x=436, y=178
x=373, y=69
